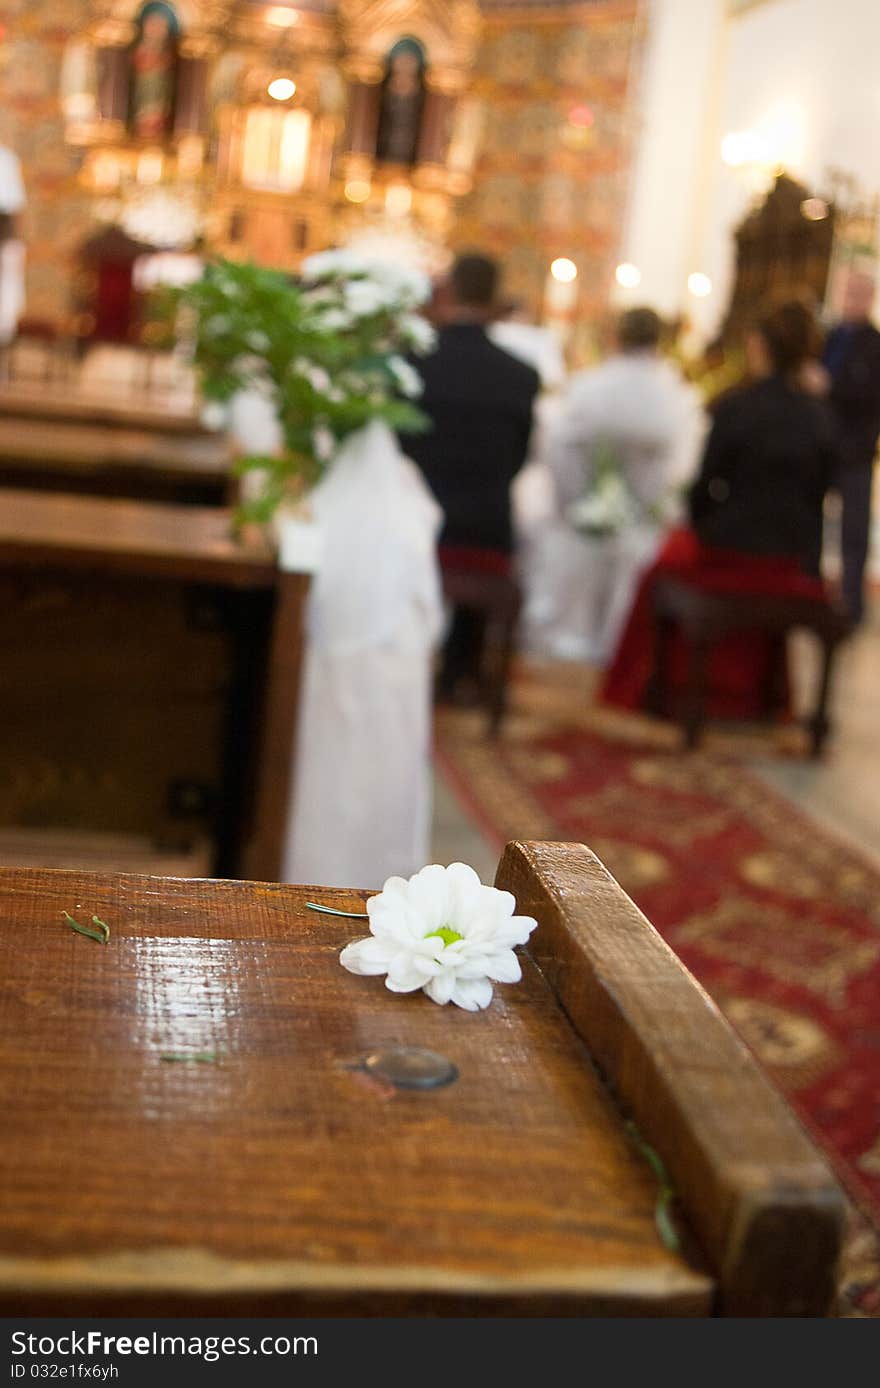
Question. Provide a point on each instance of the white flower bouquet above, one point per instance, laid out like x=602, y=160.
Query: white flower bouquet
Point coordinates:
x=611, y=506
x=331, y=350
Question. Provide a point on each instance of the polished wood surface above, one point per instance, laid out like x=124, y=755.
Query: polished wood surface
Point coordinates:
x=131, y=409
x=274, y=1173
x=189, y=542
x=759, y=1196
x=84, y=445
x=116, y=457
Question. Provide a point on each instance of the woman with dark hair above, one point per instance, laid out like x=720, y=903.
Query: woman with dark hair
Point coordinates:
x=770, y=453
x=756, y=512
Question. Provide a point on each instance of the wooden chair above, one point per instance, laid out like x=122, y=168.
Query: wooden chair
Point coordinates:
x=597, y=1143
x=497, y=596
x=706, y=618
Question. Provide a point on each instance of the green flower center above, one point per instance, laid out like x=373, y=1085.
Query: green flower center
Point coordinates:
x=446, y=934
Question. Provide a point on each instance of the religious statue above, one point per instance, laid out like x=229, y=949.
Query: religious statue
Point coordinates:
x=402, y=101
x=153, y=71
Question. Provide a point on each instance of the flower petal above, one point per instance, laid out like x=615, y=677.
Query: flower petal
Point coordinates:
x=504, y=967
x=441, y=988
x=391, y=920
x=514, y=931
x=369, y=956
x=428, y=895
x=465, y=892
x=407, y=971
x=394, y=886
x=472, y=994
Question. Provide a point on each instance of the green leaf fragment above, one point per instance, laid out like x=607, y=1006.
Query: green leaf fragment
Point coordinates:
x=663, y=1217
x=102, y=935
x=102, y=925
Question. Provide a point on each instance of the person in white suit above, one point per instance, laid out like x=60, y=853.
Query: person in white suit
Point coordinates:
x=623, y=446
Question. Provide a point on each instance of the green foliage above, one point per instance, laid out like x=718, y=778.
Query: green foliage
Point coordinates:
x=327, y=369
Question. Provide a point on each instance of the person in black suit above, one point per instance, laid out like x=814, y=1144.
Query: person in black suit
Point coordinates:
x=771, y=452
x=479, y=400
x=852, y=361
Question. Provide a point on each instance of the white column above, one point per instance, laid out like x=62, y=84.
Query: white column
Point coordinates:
x=676, y=142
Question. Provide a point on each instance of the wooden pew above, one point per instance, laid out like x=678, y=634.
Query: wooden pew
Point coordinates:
x=115, y=455
x=199, y=1121
x=149, y=671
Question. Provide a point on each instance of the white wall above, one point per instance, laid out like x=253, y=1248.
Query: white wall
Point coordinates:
x=674, y=140
x=803, y=74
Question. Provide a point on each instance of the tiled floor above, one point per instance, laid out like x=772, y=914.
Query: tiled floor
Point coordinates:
x=842, y=791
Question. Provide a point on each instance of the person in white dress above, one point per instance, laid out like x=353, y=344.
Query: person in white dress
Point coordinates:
x=622, y=448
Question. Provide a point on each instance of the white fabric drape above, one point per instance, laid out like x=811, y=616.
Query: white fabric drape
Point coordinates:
x=360, y=808
x=12, y=288
x=12, y=252
x=361, y=805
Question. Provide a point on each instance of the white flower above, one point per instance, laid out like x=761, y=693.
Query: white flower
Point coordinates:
x=408, y=379
x=418, y=332
x=333, y=320
x=444, y=932
x=258, y=341
x=317, y=377
x=605, y=511
x=323, y=442
x=366, y=297
x=329, y=265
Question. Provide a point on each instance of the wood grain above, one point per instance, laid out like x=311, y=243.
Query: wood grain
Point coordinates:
x=279, y=1175
x=187, y=542
x=83, y=446
x=128, y=409
x=758, y=1194
x=263, y=855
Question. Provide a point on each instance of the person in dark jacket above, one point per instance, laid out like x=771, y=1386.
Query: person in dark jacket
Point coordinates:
x=852, y=360
x=771, y=453
x=756, y=513
x=479, y=399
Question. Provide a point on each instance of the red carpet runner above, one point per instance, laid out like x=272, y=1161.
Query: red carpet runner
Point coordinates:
x=777, y=920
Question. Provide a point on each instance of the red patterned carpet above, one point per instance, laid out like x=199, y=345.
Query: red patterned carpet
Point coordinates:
x=779, y=921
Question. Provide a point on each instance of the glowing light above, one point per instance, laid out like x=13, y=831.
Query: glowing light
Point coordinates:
x=149, y=167
x=700, y=285
x=398, y=200
x=742, y=147
x=564, y=270
x=357, y=190
x=581, y=116
x=628, y=276
x=281, y=89
x=814, y=209
x=281, y=18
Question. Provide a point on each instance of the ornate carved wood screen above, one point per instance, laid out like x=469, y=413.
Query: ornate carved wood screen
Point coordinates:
x=783, y=251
